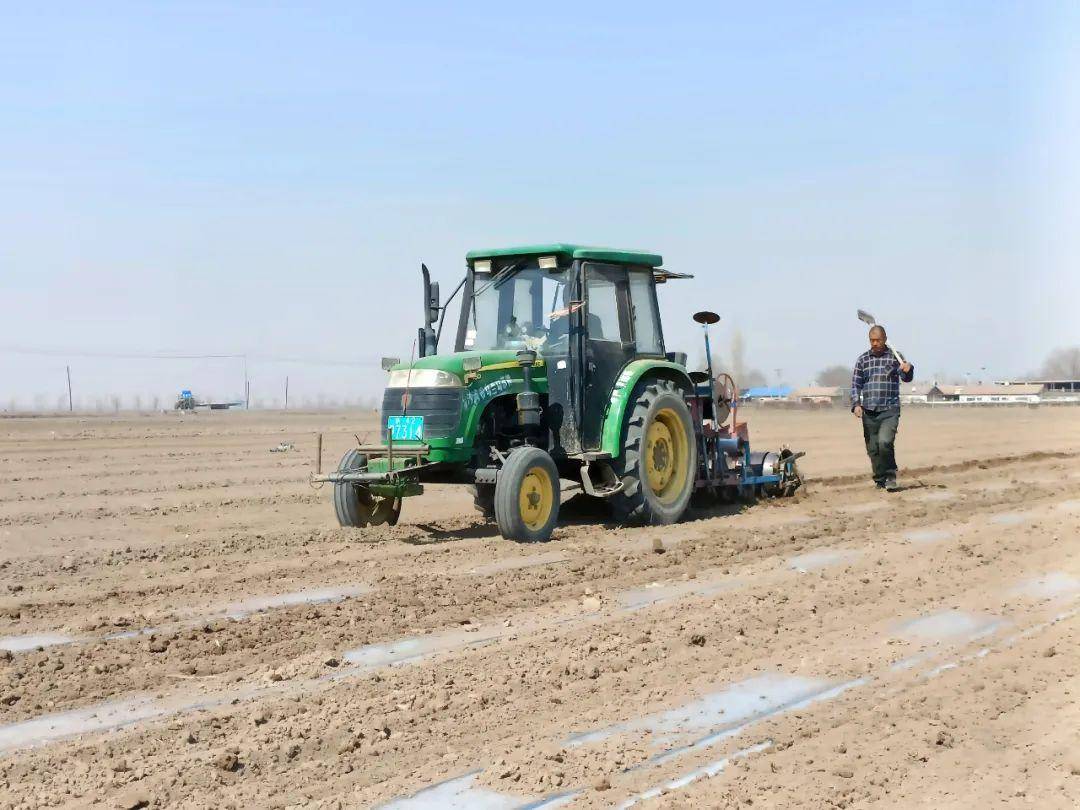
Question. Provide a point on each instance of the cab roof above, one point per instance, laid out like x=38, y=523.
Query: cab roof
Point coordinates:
x=600, y=254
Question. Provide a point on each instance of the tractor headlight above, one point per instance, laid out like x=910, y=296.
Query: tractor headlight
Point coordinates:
x=423, y=378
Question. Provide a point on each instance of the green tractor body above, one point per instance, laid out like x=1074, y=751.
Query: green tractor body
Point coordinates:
x=559, y=371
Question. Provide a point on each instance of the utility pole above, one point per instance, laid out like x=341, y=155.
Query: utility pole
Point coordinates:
x=247, y=386
x=286, y=392
x=71, y=407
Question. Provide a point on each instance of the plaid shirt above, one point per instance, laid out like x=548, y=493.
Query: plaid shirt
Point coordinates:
x=875, y=383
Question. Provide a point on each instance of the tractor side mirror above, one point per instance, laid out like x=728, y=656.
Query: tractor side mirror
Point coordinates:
x=389, y=362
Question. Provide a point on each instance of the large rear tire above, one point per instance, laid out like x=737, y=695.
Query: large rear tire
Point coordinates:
x=355, y=506
x=659, y=457
x=527, y=496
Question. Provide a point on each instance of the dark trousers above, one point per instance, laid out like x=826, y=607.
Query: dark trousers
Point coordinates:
x=879, y=432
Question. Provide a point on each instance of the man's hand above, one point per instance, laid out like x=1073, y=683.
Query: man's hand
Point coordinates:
x=562, y=313
x=858, y=411
x=905, y=367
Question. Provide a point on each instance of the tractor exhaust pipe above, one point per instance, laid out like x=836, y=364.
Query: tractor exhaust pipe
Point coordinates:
x=427, y=340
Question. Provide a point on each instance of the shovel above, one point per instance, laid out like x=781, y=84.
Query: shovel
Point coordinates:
x=869, y=319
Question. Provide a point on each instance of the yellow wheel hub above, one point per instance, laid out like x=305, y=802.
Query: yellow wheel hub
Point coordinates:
x=667, y=450
x=536, y=498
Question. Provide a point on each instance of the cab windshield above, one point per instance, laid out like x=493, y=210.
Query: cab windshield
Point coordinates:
x=519, y=306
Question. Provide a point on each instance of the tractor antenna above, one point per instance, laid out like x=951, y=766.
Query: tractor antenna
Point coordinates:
x=408, y=380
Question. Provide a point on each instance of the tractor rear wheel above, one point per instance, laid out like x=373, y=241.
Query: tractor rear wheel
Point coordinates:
x=355, y=506
x=483, y=498
x=659, y=456
x=527, y=496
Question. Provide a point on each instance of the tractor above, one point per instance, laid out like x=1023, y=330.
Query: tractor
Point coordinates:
x=186, y=401
x=559, y=373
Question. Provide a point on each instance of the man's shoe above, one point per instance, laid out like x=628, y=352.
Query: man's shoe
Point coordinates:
x=891, y=485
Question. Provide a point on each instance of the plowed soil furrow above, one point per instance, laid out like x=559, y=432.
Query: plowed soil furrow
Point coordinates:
x=165, y=566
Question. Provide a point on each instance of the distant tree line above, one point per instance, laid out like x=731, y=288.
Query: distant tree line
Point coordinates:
x=1062, y=364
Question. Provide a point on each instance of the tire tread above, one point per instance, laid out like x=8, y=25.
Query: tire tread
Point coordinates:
x=632, y=505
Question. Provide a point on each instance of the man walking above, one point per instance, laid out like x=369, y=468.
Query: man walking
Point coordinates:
x=875, y=399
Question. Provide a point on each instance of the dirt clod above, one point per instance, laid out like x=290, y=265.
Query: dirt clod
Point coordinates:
x=132, y=799
x=227, y=761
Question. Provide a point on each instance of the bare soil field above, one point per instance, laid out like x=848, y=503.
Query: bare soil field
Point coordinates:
x=183, y=624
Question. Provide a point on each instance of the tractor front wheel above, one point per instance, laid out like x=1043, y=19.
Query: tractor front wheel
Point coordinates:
x=527, y=496
x=659, y=457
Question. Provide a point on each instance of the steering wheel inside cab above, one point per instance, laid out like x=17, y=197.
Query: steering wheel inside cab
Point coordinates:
x=523, y=335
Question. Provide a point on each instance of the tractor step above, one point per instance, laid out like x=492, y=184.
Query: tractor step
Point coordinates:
x=611, y=487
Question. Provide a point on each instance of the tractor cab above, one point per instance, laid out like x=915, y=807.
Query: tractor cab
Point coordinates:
x=586, y=312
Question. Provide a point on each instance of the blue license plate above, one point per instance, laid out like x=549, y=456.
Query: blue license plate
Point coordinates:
x=405, y=428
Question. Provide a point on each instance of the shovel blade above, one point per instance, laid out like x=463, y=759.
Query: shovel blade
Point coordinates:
x=866, y=317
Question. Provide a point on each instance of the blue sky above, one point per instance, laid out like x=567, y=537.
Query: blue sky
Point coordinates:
x=265, y=178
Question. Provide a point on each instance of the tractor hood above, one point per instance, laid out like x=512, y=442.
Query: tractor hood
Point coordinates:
x=491, y=360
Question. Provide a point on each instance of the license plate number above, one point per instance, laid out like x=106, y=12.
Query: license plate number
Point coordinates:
x=405, y=428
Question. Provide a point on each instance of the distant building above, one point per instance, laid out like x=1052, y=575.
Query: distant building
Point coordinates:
x=1052, y=390
x=766, y=393
x=992, y=394
x=820, y=395
x=919, y=393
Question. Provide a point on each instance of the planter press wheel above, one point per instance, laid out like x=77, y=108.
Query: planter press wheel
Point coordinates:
x=355, y=506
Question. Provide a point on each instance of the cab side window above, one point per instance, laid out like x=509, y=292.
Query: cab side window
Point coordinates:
x=607, y=318
x=645, y=317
